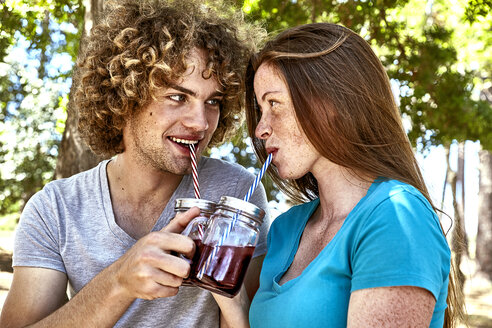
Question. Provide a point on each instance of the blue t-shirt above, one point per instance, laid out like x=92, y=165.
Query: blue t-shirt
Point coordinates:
x=391, y=238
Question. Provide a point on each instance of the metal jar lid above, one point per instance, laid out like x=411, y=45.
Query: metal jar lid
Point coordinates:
x=204, y=205
x=247, y=209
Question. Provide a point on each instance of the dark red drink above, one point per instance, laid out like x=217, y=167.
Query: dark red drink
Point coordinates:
x=193, y=263
x=225, y=273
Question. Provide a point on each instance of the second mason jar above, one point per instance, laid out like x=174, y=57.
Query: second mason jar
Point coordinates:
x=196, y=228
x=228, y=247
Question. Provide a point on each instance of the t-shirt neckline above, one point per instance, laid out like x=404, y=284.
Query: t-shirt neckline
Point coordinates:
x=313, y=205
x=164, y=218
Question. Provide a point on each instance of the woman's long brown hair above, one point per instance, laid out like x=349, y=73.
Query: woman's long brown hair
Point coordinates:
x=343, y=103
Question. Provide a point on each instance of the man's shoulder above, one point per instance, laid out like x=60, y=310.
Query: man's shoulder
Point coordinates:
x=67, y=193
x=66, y=187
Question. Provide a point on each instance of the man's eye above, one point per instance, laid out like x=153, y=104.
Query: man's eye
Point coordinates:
x=213, y=102
x=178, y=98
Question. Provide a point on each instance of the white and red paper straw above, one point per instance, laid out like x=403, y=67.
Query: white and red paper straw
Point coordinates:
x=194, y=171
x=196, y=184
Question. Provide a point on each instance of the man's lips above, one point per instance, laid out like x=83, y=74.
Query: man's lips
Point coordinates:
x=184, y=143
x=184, y=140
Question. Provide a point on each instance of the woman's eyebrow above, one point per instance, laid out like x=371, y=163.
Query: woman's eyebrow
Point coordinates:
x=267, y=93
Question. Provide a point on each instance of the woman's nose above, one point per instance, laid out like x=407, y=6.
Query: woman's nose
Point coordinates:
x=263, y=129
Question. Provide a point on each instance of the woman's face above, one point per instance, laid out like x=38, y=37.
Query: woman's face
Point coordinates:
x=293, y=154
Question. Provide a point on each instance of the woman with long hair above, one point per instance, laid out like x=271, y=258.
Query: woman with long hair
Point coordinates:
x=365, y=248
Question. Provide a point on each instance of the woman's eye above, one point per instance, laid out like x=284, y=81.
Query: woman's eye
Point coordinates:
x=177, y=98
x=272, y=103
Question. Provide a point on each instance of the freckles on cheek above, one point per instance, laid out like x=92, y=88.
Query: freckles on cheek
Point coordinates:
x=298, y=139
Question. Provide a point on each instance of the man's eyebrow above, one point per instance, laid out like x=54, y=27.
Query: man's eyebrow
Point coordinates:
x=217, y=94
x=184, y=90
x=193, y=93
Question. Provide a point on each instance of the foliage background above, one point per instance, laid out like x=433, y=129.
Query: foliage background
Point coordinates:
x=38, y=46
x=436, y=52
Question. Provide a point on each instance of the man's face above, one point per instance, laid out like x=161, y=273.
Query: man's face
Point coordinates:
x=186, y=113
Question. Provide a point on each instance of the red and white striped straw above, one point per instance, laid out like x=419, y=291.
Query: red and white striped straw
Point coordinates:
x=194, y=171
x=196, y=184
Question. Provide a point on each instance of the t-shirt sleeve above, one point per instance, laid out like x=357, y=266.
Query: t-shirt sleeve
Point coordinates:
x=36, y=236
x=401, y=244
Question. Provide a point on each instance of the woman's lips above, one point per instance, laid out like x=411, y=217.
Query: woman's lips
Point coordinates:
x=273, y=151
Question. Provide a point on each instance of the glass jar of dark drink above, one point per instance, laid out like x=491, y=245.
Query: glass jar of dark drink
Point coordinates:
x=224, y=260
x=196, y=228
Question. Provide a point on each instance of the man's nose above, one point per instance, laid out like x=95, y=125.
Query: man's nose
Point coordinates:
x=196, y=118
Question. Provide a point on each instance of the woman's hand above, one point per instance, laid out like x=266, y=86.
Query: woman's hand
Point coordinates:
x=234, y=312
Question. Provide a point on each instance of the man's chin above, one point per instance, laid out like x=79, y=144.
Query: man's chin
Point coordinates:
x=183, y=170
x=175, y=169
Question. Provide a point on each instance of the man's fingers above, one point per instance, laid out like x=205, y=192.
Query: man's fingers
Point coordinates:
x=170, y=242
x=173, y=265
x=181, y=220
x=159, y=284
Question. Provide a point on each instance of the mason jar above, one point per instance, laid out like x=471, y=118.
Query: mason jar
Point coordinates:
x=228, y=245
x=195, y=229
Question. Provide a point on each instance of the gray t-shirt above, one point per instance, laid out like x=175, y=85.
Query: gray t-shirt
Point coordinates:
x=69, y=226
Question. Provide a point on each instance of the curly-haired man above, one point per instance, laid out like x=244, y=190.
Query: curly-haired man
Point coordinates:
x=156, y=77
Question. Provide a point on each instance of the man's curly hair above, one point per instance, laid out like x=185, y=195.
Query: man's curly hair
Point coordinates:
x=141, y=47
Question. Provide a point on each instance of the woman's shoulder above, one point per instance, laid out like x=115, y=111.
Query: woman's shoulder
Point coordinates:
x=398, y=203
x=385, y=191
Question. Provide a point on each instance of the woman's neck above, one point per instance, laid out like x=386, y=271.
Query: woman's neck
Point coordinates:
x=339, y=190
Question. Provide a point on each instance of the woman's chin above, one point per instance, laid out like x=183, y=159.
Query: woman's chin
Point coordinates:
x=289, y=175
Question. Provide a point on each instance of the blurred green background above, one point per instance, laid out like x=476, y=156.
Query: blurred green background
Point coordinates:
x=437, y=54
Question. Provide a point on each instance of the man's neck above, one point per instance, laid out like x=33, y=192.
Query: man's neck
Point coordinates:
x=140, y=181
x=139, y=193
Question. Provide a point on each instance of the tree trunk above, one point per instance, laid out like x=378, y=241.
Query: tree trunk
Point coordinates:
x=460, y=203
x=484, y=234
x=74, y=156
x=458, y=232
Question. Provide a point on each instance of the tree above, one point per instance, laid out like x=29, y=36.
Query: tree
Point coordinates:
x=484, y=234
x=479, y=15
x=74, y=155
x=35, y=38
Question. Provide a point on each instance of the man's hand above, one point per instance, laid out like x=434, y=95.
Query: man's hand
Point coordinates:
x=149, y=270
